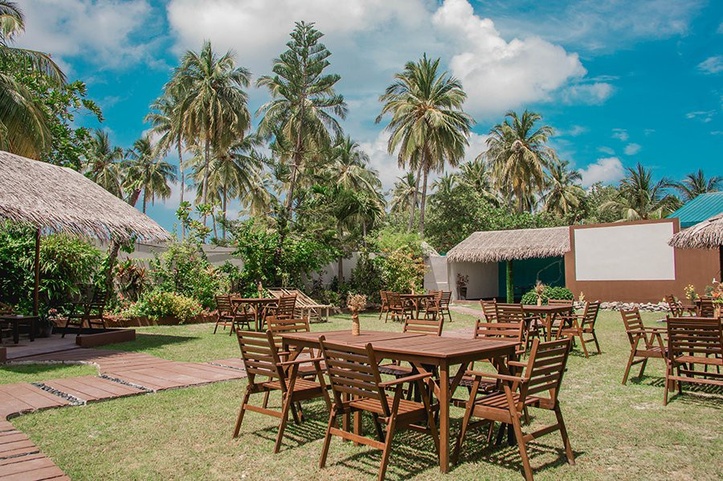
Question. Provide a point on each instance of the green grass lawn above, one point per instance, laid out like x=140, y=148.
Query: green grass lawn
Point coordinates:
x=42, y=372
x=617, y=432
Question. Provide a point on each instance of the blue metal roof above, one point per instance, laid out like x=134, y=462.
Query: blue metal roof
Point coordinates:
x=699, y=209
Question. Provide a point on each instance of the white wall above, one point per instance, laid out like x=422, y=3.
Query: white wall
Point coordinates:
x=483, y=281
x=625, y=253
x=435, y=278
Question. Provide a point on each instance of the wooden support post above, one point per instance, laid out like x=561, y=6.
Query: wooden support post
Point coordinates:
x=36, y=292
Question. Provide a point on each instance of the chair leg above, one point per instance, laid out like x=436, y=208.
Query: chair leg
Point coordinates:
x=240, y=418
x=565, y=438
x=387, y=447
x=642, y=367
x=523, y=447
x=327, y=438
x=627, y=368
x=597, y=344
x=214, y=328
x=284, y=420
x=582, y=343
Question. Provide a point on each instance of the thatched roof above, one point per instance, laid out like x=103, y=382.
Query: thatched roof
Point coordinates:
x=60, y=199
x=503, y=245
x=704, y=235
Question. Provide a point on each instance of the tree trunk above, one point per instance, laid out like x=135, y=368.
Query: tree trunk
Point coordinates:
x=340, y=262
x=414, y=199
x=204, y=188
x=423, y=205
x=145, y=199
x=112, y=257
x=183, y=182
x=134, y=197
x=223, y=224
x=510, y=283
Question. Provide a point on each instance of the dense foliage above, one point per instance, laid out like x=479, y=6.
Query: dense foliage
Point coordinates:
x=549, y=292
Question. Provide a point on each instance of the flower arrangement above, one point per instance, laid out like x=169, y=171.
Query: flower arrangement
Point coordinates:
x=716, y=293
x=539, y=291
x=356, y=303
x=690, y=293
x=462, y=280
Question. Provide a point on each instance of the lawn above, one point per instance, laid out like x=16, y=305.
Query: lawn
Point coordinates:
x=617, y=432
x=43, y=372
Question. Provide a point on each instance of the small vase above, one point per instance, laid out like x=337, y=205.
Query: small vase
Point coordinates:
x=355, y=327
x=539, y=300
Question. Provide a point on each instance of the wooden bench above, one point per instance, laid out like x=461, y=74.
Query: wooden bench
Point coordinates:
x=305, y=305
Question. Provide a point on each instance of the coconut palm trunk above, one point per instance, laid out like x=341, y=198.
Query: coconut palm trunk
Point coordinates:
x=183, y=181
x=510, y=283
x=423, y=203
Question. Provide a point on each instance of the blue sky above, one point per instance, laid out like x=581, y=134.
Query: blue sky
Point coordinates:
x=621, y=82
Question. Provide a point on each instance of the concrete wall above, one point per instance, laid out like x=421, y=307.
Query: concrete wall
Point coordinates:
x=627, y=271
x=483, y=279
x=436, y=277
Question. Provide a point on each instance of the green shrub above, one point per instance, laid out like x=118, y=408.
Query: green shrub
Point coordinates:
x=159, y=304
x=366, y=278
x=548, y=293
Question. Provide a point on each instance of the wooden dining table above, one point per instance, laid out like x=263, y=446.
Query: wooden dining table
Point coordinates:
x=416, y=300
x=423, y=352
x=547, y=313
x=17, y=321
x=254, y=305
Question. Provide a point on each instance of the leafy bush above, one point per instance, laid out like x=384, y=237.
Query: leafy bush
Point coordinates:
x=183, y=269
x=159, y=304
x=366, y=278
x=548, y=293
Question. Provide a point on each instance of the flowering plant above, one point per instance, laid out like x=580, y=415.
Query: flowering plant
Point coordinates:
x=690, y=293
x=717, y=293
x=462, y=280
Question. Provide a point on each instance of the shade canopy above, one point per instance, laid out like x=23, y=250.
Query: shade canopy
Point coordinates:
x=505, y=245
x=58, y=199
x=704, y=235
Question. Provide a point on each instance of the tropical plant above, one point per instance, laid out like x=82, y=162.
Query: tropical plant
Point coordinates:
x=518, y=155
x=405, y=195
x=213, y=110
x=304, y=106
x=24, y=123
x=695, y=184
x=103, y=163
x=548, y=292
x=563, y=196
x=428, y=128
x=640, y=197
x=146, y=172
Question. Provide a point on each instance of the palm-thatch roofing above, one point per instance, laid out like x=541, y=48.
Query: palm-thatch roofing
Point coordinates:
x=704, y=235
x=57, y=199
x=504, y=245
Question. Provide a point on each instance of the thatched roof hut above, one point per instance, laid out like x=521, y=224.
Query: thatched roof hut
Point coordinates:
x=704, y=235
x=56, y=199
x=504, y=245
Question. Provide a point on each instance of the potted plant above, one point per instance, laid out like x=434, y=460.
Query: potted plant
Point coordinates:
x=462, y=286
x=46, y=322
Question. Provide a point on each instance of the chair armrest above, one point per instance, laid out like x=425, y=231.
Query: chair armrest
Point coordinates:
x=301, y=361
x=517, y=363
x=401, y=380
x=501, y=377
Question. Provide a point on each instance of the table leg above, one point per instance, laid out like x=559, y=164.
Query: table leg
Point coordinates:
x=444, y=402
x=32, y=330
x=16, y=331
x=548, y=326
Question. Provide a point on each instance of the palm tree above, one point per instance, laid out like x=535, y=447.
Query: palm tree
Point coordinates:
x=564, y=195
x=103, y=166
x=640, y=197
x=476, y=175
x=405, y=194
x=446, y=184
x=518, y=156
x=24, y=126
x=428, y=126
x=304, y=105
x=213, y=110
x=695, y=184
x=147, y=172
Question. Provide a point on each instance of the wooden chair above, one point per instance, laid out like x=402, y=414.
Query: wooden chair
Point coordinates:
x=285, y=307
x=398, y=308
x=227, y=315
x=384, y=309
x=267, y=373
x=279, y=327
x=583, y=324
x=91, y=312
x=676, y=309
x=514, y=314
x=5, y=327
x=430, y=327
x=558, y=321
x=357, y=388
x=651, y=338
x=706, y=308
x=433, y=306
x=444, y=304
x=542, y=373
x=693, y=341
x=489, y=309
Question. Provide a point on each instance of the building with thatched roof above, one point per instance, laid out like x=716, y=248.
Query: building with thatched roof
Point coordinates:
x=534, y=253
x=627, y=261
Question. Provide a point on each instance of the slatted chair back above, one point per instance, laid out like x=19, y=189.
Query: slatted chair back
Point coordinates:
x=285, y=306
x=223, y=305
x=589, y=316
x=634, y=327
x=444, y=304
x=489, y=309
x=513, y=313
x=433, y=306
x=260, y=357
x=384, y=308
x=431, y=327
x=512, y=331
x=397, y=306
x=281, y=326
x=706, y=308
x=544, y=370
x=353, y=374
x=676, y=310
x=560, y=302
x=695, y=344
x=645, y=342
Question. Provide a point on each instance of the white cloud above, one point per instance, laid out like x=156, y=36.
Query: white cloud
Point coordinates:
x=575, y=131
x=621, y=135
x=712, y=65
x=477, y=145
x=606, y=150
x=704, y=116
x=632, y=149
x=594, y=94
x=111, y=33
x=606, y=170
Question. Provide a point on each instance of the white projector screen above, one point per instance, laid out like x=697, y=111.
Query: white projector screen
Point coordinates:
x=635, y=252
